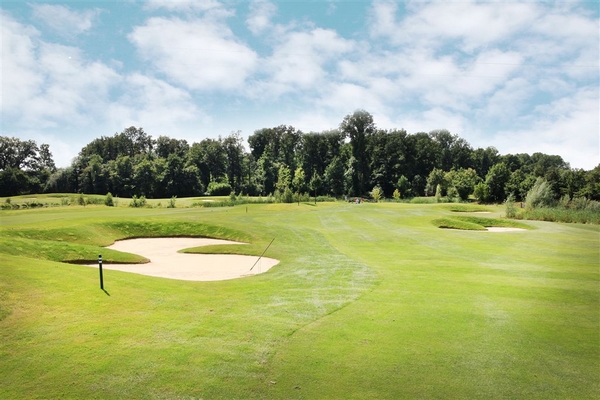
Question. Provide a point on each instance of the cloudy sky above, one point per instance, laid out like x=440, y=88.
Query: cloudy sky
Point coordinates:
x=519, y=76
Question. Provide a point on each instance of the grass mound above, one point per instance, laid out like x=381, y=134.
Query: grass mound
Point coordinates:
x=453, y=223
x=471, y=223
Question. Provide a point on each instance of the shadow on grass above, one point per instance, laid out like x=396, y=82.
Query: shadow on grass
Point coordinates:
x=104, y=290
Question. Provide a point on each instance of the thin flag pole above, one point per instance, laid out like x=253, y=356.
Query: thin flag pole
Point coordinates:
x=263, y=253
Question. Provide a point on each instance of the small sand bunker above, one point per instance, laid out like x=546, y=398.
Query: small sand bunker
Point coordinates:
x=501, y=229
x=166, y=262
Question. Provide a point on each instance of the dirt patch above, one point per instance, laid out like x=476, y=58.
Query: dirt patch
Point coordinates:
x=166, y=262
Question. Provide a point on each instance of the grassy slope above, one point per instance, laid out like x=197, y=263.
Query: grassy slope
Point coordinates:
x=456, y=314
x=438, y=313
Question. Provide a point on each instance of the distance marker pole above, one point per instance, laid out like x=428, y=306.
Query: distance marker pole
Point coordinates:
x=100, y=268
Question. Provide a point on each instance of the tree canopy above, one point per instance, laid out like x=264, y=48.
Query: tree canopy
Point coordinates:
x=353, y=160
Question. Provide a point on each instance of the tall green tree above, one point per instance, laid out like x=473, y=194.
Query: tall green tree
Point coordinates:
x=234, y=152
x=463, y=181
x=284, y=178
x=266, y=173
x=334, y=177
x=210, y=158
x=359, y=127
x=495, y=182
x=299, y=180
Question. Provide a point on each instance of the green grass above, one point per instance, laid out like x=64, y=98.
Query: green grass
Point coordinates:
x=458, y=207
x=556, y=214
x=473, y=223
x=368, y=301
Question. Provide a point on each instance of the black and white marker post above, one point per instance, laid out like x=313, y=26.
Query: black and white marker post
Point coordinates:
x=100, y=268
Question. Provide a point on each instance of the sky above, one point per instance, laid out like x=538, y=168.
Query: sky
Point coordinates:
x=522, y=77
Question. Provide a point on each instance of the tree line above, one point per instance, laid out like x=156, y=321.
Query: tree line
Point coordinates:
x=352, y=160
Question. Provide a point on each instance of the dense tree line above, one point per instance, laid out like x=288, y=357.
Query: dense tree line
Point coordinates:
x=351, y=160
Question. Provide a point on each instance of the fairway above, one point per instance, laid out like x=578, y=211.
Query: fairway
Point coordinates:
x=367, y=301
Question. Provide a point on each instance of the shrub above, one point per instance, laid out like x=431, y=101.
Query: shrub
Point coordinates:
x=288, y=196
x=172, y=201
x=137, y=202
x=218, y=189
x=540, y=195
x=511, y=209
x=376, y=194
x=108, y=201
x=438, y=193
x=580, y=203
x=396, y=195
x=480, y=192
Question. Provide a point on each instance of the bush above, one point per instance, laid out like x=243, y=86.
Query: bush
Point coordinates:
x=218, y=189
x=481, y=193
x=108, y=201
x=172, y=201
x=94, y=200
x=288, y=196
x=438, y=193
x=376, y=194
x=540, y=195
x=511, y=209
x=137, y=202
x=579, y=203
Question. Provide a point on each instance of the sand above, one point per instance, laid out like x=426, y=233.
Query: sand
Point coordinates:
x=166, y=262
x=500, y=229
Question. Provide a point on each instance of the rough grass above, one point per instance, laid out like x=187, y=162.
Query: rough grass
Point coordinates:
x=369, y=301
x=556, y=214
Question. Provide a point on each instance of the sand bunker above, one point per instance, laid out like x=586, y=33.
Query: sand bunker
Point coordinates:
x=501, y=229
x=165, y=262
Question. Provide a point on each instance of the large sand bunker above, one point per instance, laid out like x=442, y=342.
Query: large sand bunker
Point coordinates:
x=166, y=262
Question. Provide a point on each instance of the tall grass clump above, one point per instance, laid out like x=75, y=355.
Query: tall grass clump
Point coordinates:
x=541, y=205
x=509, y=206
x=540, y=195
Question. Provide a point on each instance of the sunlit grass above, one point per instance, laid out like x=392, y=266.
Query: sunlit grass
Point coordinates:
x=368, y=301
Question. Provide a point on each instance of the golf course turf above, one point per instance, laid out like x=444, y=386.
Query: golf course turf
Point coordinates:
x=368, y=301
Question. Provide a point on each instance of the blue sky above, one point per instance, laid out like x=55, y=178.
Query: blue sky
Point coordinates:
x=519, y=76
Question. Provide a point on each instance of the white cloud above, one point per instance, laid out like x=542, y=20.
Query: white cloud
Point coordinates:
x=261, y=12
x=383, y=18
x=48, y=84
x=469, y=24
x=568, y=126
x=212, y=8
x=200, y=54
x=153, y=104
x=57, y=96
x=300, y=60
x=20, y=79
x=64, y=20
